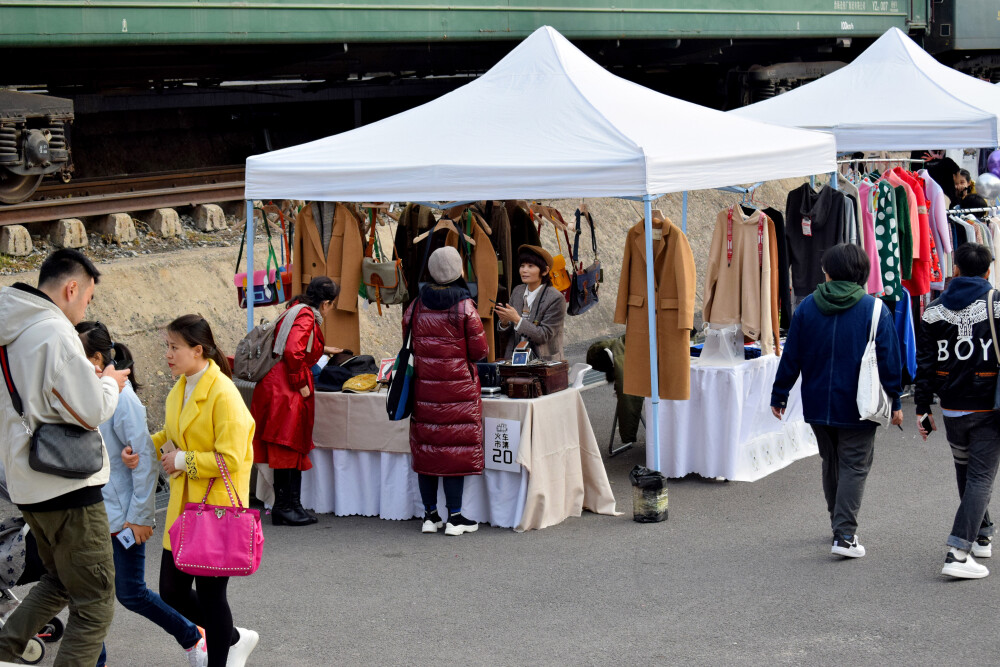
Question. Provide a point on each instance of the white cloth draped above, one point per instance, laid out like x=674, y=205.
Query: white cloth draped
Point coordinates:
x=727, y=429
x=346, y=483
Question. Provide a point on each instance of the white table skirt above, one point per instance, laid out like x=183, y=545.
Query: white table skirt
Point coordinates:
x=727, y=430
x=347, y=482
x=561, y=470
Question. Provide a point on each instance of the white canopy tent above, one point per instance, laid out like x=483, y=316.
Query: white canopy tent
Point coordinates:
x=894, y=96
x=546, y=122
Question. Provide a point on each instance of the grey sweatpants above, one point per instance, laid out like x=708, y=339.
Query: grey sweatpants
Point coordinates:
x=847, y=458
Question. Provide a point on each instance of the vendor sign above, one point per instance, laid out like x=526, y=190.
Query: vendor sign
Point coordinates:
x=502, y=439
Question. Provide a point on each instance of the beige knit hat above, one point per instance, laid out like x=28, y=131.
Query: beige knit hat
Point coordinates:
x=445, y=265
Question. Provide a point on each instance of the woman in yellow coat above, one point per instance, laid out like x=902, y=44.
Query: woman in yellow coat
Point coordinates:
x=205, y=415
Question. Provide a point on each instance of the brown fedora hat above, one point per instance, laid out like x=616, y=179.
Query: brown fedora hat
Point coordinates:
x=538, y=250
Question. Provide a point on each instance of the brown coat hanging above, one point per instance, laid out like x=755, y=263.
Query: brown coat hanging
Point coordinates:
x=674, y=280
x=341, y=262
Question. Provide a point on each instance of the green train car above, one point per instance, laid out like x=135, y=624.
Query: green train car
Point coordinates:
x=152, y=61
x=121, y=42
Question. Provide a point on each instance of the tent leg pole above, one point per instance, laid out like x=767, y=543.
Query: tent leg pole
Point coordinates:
x=652, y=419
x=684, y=212
x=251, y=223
x=833, y=180
x=812, y=182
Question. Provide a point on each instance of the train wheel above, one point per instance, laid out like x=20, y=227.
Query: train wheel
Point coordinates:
x=16, y=188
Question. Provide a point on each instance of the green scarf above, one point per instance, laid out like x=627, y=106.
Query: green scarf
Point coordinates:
x=837, y=296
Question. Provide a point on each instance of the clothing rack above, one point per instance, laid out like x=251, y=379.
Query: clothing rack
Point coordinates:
x=881, y=159
x=443, y=206
x=988, y=209
x=727, y=188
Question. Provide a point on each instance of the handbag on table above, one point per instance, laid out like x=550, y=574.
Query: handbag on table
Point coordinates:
x=523, y=387
x=489, y=375
x=583, y=289
x=64, y=450
x=873, y=403
x=215, y=540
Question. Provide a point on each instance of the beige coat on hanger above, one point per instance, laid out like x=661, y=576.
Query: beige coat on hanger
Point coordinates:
x=674, y=274
x=342, y=263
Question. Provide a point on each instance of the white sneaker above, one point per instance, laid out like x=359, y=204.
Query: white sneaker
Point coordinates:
x=241, y=650
x=848, y=548
x=983, y=547
x=963, y=569
x=197, y=655
x=432, y=523
x=458, y=524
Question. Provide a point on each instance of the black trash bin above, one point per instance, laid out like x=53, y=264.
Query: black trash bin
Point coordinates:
x=649, y=495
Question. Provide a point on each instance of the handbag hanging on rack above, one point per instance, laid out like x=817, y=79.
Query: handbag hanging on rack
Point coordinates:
x=382, y=277
x=583, y=290
x=558, y=274
x=285, y=248
x=215, y=540
x=269, y=284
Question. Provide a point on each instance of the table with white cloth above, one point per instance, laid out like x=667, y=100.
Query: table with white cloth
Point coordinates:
x=727, y=429
x=362, y=464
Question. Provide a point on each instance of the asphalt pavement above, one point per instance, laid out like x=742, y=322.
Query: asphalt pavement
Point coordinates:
x=740, y=573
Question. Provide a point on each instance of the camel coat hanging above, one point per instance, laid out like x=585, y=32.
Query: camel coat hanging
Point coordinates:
x=341, y=262
x=674, y=280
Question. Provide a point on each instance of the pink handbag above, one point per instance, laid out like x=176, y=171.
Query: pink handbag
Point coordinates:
x=217, y=541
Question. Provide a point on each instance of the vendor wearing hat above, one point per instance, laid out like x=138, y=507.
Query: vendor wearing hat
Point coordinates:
x=536, y=310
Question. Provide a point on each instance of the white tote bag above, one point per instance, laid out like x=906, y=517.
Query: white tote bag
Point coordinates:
x=873, y=402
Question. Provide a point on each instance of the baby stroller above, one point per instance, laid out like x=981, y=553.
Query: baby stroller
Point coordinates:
x=20, y=565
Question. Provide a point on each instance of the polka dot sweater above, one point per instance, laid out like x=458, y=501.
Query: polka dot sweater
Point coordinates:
x=887, y=240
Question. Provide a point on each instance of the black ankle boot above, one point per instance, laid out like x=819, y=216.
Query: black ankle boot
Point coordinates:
x=284, y=513
x=295, y=485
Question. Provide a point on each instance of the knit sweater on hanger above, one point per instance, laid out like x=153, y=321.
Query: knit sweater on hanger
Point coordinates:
x=823, y=213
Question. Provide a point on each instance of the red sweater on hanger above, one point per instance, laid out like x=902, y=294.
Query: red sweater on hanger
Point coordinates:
x=920, y=280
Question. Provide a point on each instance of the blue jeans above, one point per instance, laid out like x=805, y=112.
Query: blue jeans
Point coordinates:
x=976, y=439
x=131, y=591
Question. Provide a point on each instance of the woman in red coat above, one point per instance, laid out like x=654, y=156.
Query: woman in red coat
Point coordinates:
x=446, y=428
x=284, y=405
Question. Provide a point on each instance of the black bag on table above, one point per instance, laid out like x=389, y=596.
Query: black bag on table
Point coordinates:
x=489, y=375
x=361, y=365
x=333, y=376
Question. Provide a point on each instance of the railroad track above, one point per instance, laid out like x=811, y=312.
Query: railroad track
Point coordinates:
x=93, y=197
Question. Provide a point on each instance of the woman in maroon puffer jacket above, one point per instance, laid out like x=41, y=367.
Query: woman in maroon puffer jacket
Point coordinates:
x=446, y=428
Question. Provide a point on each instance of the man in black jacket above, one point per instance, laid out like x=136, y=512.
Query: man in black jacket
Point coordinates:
x=956, y=360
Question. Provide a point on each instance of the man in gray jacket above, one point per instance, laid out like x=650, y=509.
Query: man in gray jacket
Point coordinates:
x=58, y=385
